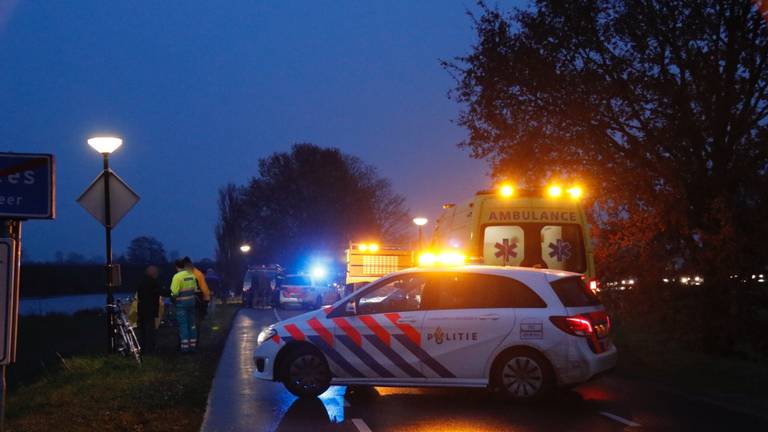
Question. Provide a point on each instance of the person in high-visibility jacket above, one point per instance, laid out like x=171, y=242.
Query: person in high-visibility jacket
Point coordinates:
x=183, y=288
x=204, y=293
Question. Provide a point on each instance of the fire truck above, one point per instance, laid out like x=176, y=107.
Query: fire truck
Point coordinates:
x=509, y=227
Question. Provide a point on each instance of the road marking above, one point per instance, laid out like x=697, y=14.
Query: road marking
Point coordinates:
x=360, y=425
x=276, y=315
x=621, y=420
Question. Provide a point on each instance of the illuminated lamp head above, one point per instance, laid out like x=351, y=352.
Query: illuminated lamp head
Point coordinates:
x=554, y=191
x=575, y=192
x=506, y=190
x=427, y=259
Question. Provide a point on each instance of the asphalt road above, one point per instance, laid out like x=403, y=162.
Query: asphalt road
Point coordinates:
x=238, y=402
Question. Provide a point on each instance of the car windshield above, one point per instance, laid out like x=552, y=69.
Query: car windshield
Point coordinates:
x=297, y=280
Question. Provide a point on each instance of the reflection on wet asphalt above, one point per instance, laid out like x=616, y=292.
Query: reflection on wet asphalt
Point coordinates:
x=239, y=402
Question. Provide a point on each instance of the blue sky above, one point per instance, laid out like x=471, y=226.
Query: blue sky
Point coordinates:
x=200, y=90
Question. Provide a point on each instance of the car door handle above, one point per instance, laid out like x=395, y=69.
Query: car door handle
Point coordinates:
x=489, y=316
x=406, y=320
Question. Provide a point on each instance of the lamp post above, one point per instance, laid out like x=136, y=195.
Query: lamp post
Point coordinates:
x=420, y=222
x=105, y=146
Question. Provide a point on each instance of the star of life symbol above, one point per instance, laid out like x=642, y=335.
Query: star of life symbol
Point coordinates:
x=506, y=249
x=561, y=250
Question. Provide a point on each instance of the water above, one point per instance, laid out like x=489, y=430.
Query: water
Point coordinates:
x=68, y=304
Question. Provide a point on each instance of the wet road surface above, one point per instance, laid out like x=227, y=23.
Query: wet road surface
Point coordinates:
x=238, y=402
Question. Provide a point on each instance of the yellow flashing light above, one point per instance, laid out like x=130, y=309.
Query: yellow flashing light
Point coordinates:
x=554, y=191
x=444, y=258
x=451, y=258
x=427, y=259
x=368, y=247
x=506, y=190
x=575, y=192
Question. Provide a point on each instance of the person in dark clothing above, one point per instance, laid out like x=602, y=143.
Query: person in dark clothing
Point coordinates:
x=148, y=308
x=214, y=285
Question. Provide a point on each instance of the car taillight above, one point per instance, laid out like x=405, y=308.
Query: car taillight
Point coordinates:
x=574, y=325
x=590, y=283
x=593, y=285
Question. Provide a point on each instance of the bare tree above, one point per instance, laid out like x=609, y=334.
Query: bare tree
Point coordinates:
x=230, y=236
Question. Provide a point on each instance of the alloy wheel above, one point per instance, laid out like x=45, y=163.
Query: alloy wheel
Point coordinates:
x=308, y=372
x=522, y=377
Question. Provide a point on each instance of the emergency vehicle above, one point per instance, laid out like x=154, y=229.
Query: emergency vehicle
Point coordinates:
x=301, y=290
x=269, y=275
x=510, y=227
x=367, y=262
x=521, y=331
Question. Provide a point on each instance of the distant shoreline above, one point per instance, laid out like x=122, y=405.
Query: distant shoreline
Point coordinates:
x=51, y=296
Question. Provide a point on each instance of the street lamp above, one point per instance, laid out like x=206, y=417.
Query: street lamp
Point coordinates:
x=105, y=146
x=245, y=248
x=420, y=222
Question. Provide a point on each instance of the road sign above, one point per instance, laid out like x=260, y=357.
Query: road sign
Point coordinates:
x=7, y=300
x=27, y=186
x=122, y=198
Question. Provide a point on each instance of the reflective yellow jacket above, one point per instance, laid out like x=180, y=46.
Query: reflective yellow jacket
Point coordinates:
x=183, y=287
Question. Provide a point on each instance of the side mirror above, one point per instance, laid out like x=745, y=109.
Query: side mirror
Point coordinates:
x=351, y=307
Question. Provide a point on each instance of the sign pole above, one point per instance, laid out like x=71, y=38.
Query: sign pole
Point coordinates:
x=108, y=233
x=14, y=230
x=108, y=206
x=29, y=192
x=11, y=229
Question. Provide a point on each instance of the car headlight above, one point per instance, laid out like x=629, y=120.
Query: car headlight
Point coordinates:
x=266, y=334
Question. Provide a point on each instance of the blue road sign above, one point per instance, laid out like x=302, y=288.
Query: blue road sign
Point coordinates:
x=27, y=186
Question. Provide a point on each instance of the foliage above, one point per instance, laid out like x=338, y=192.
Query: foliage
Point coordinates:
x=313, y=200
x=230, y=235
x=146, y=250
x=661, y=107
x=73, y=258
x=41, y=280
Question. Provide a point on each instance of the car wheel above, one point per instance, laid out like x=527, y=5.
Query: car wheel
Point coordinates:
x=523, y=375
x=307, y=373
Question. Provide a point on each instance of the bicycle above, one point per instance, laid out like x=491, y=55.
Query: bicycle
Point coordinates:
x=127, y=343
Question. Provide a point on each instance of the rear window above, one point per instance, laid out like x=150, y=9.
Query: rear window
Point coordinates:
x=573, y=292
x=552, y=246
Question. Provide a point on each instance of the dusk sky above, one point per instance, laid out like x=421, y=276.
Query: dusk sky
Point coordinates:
x=200, y=90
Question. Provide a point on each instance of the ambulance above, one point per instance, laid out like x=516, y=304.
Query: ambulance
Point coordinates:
x=509, y=227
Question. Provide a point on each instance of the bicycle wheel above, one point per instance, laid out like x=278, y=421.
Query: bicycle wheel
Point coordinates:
x=133, y=342
x=122, y=340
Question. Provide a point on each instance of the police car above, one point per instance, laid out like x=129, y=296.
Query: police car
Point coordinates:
x=521, y=331
x=300, y=290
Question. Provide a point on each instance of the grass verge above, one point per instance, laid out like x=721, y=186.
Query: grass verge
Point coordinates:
x=109, y=393
x=739, y=384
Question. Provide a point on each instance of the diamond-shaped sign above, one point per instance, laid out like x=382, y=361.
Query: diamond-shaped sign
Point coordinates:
x=121, y=198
